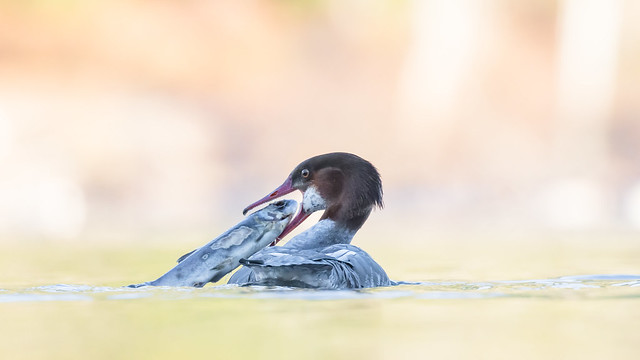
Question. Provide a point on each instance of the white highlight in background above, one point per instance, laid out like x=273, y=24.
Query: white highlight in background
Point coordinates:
x=632, y=206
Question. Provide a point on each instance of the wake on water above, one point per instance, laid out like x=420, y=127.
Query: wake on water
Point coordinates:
x=580, y=286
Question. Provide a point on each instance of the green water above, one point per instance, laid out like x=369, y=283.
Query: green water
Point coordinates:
x=566, y=299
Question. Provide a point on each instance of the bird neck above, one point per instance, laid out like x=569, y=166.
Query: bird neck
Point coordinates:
x=325, y=232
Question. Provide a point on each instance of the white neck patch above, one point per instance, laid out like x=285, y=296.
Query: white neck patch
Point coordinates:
x=312, y=200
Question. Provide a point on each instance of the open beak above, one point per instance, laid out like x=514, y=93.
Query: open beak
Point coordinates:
x=284, y=189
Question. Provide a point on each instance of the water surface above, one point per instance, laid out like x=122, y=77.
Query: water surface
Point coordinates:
x=552, y=299
x=602, y=286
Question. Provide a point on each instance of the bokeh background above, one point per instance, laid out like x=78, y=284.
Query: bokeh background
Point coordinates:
x=133, y=117
x=507, y=134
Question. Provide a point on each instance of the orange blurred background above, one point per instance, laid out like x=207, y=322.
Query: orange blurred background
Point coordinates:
x=129, y=116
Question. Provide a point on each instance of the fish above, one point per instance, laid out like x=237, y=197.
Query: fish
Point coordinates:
x=222, y=255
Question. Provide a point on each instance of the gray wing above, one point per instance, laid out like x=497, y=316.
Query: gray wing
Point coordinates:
x=339, y=266
x=280, y=266
x=368, y=271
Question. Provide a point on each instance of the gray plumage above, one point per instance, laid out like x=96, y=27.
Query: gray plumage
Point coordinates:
x=347, y=188
x=336, y=266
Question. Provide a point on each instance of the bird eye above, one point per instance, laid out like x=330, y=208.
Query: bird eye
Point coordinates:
x=304, y=173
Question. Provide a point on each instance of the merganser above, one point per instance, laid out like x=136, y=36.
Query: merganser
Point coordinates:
x=347, y=188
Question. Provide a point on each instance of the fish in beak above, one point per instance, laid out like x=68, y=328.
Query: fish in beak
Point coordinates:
x=284, y=189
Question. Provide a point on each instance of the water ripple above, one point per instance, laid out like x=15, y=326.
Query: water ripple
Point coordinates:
x=607, y=286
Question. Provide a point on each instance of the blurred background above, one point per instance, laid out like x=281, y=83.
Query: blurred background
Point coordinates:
x=507, y=134
x=128, y=117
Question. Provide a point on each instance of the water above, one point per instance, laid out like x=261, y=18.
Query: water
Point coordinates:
x=461, y=300
x=590, y=316
x=603, y=286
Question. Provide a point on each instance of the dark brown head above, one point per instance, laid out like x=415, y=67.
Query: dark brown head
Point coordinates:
x=345, y=185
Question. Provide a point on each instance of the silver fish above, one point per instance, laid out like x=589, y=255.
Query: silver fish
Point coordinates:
x=220, y=256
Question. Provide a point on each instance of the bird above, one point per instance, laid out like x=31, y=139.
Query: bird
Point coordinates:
x=347, y=188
